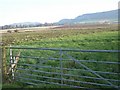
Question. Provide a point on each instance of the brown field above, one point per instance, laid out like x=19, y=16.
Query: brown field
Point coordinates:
x=62, y=27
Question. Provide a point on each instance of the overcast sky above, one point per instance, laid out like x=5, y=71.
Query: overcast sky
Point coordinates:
x=14, y=11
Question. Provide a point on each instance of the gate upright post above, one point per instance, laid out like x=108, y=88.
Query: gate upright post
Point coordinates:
x=61, y=66
x=11, y=62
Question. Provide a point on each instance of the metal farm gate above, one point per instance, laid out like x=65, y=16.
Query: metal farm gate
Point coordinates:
x=94, y=69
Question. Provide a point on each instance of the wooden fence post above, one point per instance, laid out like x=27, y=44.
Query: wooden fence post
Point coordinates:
x=4, y=64
x=1, y=68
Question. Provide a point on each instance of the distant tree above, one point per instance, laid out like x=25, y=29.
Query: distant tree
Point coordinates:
x=45, y=24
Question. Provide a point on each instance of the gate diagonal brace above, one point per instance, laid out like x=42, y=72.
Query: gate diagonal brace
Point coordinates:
x=90, y=70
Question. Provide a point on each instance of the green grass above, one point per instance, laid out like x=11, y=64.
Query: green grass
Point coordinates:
x=101, y=39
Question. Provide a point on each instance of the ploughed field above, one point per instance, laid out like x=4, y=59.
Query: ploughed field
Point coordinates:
x=83, y=37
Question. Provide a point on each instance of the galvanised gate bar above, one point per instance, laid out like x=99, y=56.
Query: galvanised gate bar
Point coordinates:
x=76, y=68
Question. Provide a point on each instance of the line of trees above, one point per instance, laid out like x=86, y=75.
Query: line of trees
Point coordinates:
x=24, y=26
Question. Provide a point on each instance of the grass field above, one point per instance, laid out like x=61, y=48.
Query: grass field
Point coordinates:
x=96, y=38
